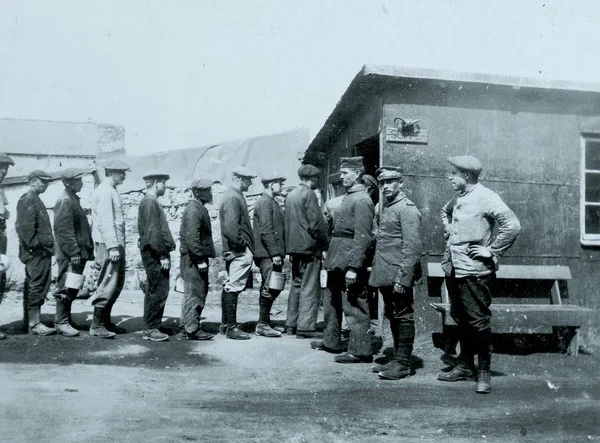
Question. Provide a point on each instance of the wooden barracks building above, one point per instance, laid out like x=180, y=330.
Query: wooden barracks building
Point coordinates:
x=539, y=141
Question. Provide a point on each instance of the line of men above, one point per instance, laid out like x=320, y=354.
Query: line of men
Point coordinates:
x=349, y=237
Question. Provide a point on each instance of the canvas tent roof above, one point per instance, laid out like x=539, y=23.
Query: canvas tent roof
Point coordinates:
x=275, y=152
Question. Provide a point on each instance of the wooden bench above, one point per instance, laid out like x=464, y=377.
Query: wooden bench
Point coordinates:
x=530, y=300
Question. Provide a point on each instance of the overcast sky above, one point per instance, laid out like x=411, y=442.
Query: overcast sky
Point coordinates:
x=179, y=74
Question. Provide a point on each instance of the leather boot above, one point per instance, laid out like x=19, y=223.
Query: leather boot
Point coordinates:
x=223, y=325
x=403, y=332
x=97, y=329
x=61, y=319
x=109, y=324
x=233, y=332
x=36, y=327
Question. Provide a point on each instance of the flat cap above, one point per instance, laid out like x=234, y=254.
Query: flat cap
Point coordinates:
x=38, y=173
x=466, y=163
x=351, y=162
x=369, y=180
x=156, y=175
x=5, y=159
x=308, y=171
x=201, y=183
x=272, y=177
x=242, y=171
x=388, y=173
x=116, y=165
x=72, y=173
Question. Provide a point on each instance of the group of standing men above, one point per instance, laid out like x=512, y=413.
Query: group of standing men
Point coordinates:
x=361, y=245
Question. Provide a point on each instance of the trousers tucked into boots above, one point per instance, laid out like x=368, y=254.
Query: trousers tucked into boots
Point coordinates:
x=399, y=311
x=229, y=308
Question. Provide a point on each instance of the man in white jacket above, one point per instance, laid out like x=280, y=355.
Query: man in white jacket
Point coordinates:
x=108, y=232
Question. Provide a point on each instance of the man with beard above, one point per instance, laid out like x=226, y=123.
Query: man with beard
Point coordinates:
x=269, y=240
x=238, y=248
x=108, y=232
x=74, y=246
x=347, y=272
x=36, y=247
x=156, y=244
x=5, y=162
x=396, y=268
x=196, y=249
x=470, y=264
x=305, y=241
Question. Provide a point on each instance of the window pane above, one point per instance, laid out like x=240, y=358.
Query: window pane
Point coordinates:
x=592, y=155
x=592, y=219
x=592, y=188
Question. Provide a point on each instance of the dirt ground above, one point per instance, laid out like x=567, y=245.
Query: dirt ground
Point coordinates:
x=57, y=389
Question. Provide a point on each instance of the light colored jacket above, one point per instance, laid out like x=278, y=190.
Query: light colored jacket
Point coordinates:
x=108, y=219
x=469, y=219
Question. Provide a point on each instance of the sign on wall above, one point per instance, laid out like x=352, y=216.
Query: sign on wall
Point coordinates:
x=405, y=131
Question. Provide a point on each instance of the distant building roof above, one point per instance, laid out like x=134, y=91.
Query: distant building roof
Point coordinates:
x=39, y=137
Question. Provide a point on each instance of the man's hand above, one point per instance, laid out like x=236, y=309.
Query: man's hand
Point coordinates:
x=399, y=289
x=351, y=277
x=480, y=252
x=75, y=260
x=277, y=261
x=165, y=263
x=114, y=254
x=203, y=267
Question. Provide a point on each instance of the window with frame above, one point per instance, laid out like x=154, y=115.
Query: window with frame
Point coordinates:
x=590, y=190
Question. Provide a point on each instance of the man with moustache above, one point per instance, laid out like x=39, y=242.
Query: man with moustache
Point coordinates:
x=155, y=243
x=74, y=246
x=36, y=247
x=269, y=240
x=347, y=270
x=397, y=268
x=305, y=240
x=470, y=264
x=196, y=249
x=108, y=232
x=5, y=163
x=238, y=248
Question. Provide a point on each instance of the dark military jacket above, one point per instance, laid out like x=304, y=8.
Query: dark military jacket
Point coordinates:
x=196, y=233
x=33, y=227
x=269, y=234
x=236, y=230
x=153, y=228
x=72, y=229
x=305, y=226
x=352, y=231
x=398, y=244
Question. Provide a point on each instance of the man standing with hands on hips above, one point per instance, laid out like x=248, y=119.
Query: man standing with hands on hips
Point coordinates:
x=470, y=264
x=108, y=232
x=155, y=243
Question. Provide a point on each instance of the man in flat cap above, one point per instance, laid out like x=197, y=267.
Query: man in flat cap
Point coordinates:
x=36, y=247
x=238, y=247
x=347, y=271
x=155, y=243
x=470, y=263
x=397, y=268
x=269, y=240
x=74, y=246
x=108, y=232
x=5, y=162
x=305, y=240
x=196, y=247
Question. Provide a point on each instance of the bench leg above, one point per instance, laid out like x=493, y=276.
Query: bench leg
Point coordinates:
x=574, y=345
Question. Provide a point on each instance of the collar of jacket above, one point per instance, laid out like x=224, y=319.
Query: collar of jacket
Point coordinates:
x=357, y=187
x=71, y=193
x=233, y=188
x=266, y=194
x=462, y=194
x=401, y=196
